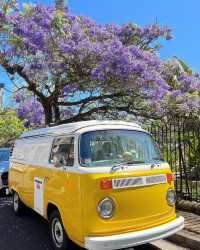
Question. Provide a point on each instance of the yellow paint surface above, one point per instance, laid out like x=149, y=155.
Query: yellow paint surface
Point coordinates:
x=77, y=196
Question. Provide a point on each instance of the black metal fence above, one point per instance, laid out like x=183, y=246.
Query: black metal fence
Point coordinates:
x=179, y=141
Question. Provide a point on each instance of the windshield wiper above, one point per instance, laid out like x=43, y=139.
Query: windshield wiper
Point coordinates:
x=158, y=158
x=116, y=167
x=121, y=165
x=134, y=162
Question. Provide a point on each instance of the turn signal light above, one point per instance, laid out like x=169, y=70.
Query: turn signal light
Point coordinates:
x=170, y=178
x=106, y=184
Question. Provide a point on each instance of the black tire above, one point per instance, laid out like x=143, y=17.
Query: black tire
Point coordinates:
x=17, y=204
x=2, y=192
x=59, y=238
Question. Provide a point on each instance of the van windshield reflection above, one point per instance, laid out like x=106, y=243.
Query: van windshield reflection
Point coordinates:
x=111, y=147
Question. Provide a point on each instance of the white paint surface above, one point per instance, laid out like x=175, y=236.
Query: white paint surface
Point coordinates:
x=39, y=195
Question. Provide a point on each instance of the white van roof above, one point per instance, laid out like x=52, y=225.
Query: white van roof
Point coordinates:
x=73, y=127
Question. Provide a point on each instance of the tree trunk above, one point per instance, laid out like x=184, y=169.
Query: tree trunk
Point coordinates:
x=47, y=113
x=56, y=111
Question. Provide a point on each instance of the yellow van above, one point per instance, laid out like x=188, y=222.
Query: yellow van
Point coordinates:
x=102, y=184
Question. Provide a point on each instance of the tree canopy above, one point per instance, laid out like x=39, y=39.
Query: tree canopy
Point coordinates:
x=76, y=68
x=11, y=127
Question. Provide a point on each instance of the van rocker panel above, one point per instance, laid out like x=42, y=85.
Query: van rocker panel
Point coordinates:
x=134, y=238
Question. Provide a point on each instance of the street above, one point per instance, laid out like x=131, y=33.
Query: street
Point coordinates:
x=30, y=232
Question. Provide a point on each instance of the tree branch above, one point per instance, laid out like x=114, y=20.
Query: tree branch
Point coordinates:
x=84, y=115
x=19, y=70
x=92, y=98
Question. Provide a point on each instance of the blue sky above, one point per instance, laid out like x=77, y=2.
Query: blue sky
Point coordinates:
x=182, y=16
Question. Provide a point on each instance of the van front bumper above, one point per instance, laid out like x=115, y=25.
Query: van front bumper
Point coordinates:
x=134, y=238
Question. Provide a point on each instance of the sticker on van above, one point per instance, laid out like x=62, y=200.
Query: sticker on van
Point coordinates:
x=39, y=195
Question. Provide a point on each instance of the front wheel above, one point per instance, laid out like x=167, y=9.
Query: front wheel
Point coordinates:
x=57, y=232
x=18, y=206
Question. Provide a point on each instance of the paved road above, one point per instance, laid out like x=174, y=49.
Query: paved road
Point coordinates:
x=30, y=232
x=166, y=245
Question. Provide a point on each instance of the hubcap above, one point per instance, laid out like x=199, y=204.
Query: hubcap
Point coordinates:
x=16, y=201
x=57, y=232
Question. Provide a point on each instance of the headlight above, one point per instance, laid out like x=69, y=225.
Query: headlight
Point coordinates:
x=171, y=197
x=106, y=208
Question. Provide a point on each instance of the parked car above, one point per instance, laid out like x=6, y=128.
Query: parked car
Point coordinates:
x=4, y=166
x=102, y=184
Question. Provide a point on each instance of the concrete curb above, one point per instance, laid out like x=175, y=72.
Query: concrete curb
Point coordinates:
x=186, y=239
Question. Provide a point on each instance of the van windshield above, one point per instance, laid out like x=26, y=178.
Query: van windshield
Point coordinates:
x=109, y=147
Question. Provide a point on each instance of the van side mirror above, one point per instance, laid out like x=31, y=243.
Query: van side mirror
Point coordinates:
x=58, y=161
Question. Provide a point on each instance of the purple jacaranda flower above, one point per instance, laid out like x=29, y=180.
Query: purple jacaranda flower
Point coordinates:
x=67, y=48
x=176, y=93
x=31, y=111
x=69, y=88
x=27, y=124
x=18, y=98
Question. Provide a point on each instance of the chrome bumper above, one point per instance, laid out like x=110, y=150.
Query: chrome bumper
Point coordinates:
x=134, y=238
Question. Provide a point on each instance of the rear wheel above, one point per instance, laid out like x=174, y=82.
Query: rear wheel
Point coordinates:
x=18, y=206
x=57, y=232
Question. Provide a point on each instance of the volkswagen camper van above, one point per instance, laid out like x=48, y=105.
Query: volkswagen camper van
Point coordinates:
x=101, y=184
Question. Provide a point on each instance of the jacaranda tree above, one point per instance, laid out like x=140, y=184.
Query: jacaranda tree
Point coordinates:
x=69, y=62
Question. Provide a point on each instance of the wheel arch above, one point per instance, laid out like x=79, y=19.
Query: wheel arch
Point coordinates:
x=51, y=207
x=14, y=189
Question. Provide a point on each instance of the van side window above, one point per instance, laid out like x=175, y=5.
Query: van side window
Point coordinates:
x=63, y=149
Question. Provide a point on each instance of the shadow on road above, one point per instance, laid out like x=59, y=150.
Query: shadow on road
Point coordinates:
x=29, y=232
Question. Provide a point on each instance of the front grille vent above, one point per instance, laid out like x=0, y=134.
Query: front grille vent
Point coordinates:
x=138, y=181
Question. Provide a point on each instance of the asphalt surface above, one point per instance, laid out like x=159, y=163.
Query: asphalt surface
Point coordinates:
x=29, y=232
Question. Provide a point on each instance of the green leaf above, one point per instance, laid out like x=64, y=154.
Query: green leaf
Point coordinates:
x=184, y=65
x=11, y=127
x=26, y=7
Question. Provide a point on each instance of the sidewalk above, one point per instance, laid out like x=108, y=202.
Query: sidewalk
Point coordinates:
x=190, y=236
